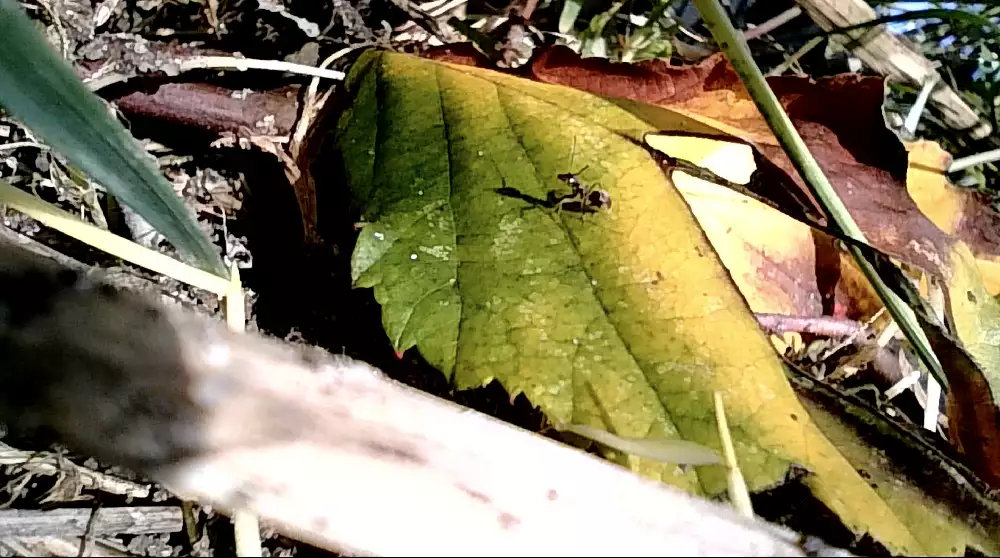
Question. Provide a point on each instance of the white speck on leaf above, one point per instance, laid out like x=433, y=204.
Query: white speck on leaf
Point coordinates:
x=379, y=236
x=413, y=256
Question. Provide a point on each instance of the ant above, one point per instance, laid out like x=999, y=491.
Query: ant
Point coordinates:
x=582, y=199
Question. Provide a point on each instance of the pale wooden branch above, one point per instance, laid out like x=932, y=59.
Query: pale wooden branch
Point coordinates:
x=325, y=448
x=893, y=57
x=329, y=451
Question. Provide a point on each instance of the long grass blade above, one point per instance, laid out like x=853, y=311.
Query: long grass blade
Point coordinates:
x=41, y=90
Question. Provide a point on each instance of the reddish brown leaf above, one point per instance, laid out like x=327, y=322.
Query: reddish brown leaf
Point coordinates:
x=458, y=53
x=654, y=82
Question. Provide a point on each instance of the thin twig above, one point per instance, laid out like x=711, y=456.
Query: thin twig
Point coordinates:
x=780, y=68
x=817, y=325
x=46, y=464
x=913, y=117
x=773, y=23
x=310, y=106
x=132, y=520
x=974, y=160
x=235, y=63
x=20, y=144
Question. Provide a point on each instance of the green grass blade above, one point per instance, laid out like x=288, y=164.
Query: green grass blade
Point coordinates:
x=41, y=90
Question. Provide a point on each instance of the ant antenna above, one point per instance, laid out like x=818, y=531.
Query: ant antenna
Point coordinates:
x=572, y=155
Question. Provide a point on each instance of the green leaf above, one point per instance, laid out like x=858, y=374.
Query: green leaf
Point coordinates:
x=622, y=320
x=41, y=90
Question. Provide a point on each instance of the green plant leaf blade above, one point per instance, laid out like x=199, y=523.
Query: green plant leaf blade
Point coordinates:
x=40, y=89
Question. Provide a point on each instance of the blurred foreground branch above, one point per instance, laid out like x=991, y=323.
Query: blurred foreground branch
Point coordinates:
x=324, y=448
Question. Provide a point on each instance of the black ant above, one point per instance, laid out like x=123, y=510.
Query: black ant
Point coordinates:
x=583, y=199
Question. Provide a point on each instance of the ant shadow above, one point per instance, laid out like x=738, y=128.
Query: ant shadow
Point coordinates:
x=566, y=202
x=575, y=202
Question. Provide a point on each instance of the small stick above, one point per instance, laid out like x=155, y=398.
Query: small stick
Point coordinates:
x=827, y=326
x=773, y=23
x=235, y=63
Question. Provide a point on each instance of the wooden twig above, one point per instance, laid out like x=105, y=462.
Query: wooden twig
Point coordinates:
x=816, y=325
x=73, y=521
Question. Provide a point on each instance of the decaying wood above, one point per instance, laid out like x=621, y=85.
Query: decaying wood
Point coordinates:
x=73, y=521
x=893, y=57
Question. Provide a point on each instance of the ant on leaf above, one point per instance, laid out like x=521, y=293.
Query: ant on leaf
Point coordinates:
x=582, y=198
